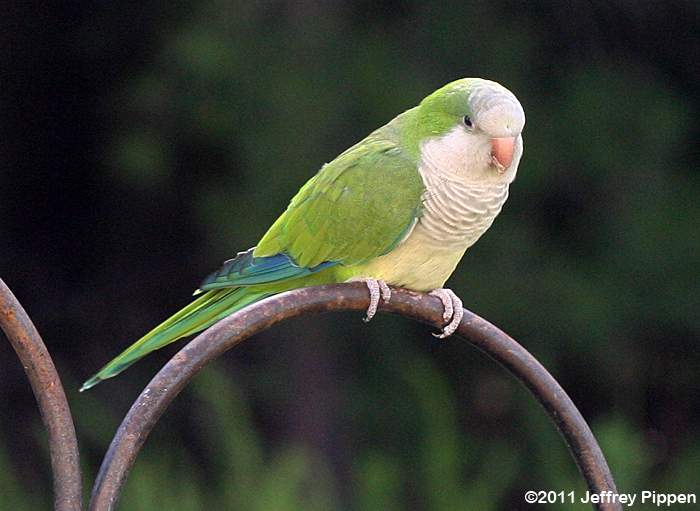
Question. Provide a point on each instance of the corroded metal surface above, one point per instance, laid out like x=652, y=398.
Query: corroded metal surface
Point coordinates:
x=163, y=388
x=50, y=397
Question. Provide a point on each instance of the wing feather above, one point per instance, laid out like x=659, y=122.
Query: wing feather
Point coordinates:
x=247, y=270
x=359, y=206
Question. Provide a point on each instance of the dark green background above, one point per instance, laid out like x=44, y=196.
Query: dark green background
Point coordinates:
x=142, y=144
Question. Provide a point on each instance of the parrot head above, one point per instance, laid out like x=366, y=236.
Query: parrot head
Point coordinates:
x=470, y=129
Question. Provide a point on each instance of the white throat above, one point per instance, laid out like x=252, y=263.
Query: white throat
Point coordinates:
x=464, y=192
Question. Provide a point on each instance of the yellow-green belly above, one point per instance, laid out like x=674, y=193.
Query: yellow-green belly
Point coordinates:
x=416, y=264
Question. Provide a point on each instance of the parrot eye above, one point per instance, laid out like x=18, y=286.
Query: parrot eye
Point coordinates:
x=467, y=121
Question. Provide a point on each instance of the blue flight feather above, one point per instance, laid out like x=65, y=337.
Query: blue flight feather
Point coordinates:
x=246, y=270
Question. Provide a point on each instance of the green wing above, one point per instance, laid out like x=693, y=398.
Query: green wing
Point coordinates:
x=359, y=206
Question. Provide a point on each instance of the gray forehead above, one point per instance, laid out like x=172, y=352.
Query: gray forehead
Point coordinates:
x=493, y=107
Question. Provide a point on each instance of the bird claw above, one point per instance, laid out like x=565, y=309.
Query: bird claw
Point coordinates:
x=452, y=311
x=377, y=289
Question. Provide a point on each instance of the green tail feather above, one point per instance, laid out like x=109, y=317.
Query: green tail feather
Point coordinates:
x=203, y=312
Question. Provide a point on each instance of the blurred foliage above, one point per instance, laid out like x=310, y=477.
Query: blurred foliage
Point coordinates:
x=454, y=471
x=170, y=139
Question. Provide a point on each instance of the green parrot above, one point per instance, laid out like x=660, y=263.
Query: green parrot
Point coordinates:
x=399, y=207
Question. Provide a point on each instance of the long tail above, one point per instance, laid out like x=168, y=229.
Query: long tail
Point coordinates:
x=203, y=312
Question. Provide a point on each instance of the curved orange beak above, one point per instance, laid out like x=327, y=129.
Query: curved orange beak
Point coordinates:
x=502, y=150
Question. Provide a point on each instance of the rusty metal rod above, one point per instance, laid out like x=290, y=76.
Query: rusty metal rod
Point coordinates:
x=50, y=397
x=173, y=377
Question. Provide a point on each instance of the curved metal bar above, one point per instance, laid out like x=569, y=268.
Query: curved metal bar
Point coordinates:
x=173, y=377
x=50, y=397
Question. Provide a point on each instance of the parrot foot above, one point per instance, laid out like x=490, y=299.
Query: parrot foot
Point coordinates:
x=453, y=311
x=377, y=289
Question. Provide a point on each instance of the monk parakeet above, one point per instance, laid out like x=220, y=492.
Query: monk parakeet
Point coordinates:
x=399, y=207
